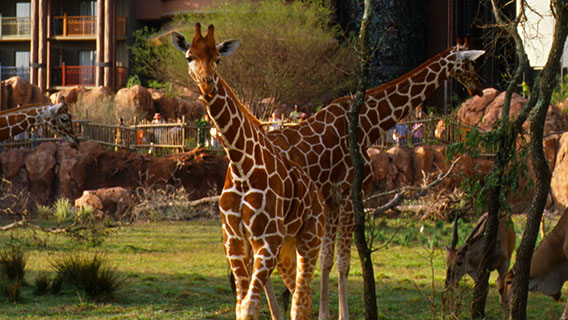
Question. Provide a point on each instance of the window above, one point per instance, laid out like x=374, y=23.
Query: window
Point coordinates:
x=22, y=9
x=88, y=8
x=22, y=59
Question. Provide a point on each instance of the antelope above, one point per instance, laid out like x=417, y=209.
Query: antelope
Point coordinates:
x=467, y=258
x=549, y=264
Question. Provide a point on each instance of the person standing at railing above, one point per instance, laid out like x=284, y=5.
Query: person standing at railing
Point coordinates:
x=400, y=133
x=418, y=127
x=202, y=133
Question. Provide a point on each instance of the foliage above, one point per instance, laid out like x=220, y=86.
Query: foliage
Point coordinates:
x=560, y=93
x=284, y=46
x=88, y=274
x=169, y=203
x=100, y=110
x=133, y=81
x=477, y=143
x=13, y=202
x=144, y=54
x=79, y=224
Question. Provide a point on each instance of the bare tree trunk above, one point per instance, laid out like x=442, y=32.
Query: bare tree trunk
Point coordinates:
x=545, y=84
x=359, y=171
x=508, y=132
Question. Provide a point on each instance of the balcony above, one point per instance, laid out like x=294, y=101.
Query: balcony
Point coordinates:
x=7, y=72
x=82, y=26
x=15, y=27
x=66, y=76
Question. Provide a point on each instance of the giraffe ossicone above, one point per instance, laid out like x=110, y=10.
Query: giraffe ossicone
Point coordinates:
x=273, y=214
x=56, y=117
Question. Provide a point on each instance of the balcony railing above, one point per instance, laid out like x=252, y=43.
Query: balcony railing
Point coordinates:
x=82, y=75
x=83, y=26
x=7, y=72
x=16, y=27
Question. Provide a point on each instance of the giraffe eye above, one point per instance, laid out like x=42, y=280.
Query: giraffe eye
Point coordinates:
x=218, y=61
x=189, y=59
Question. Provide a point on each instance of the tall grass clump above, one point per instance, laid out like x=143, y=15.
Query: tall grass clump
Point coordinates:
x=90, y=274
x=13, y=263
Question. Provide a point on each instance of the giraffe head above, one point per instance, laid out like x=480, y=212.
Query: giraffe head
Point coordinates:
x=464, y=69
x=203, y=56
x=59, y=121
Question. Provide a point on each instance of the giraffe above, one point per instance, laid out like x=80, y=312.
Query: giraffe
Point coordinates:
x=56, y=117
x=273, y=214
x=320, y=145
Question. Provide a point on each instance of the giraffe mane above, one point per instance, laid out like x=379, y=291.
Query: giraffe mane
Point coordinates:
x=30, y=105
x=250, y=117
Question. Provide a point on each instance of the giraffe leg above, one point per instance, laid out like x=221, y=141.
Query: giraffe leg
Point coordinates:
x=326, y=262
x=344, y=238
x=308, y=246
x=272, y=302
x=264, y=264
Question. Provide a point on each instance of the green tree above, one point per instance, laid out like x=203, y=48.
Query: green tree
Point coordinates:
x=289, y=53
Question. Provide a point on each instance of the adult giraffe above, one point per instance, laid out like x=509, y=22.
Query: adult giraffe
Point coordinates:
x=56, y=117
x=273, y=214
x=320, y=145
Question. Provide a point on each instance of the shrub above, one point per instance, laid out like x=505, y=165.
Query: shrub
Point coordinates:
x=285, y=46
x=88, y=274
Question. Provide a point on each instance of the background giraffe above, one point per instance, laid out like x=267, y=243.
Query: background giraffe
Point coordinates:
x=320, y=145
x=56, y=117
x=273, y=214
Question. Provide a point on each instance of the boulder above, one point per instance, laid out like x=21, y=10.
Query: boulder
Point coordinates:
x=53, y=171
x=484, y=112
x=17, y=91
x=472, y=110
x=96, y=94
x=177, y=107
x=135, y=100
x=70, y=95
x=107, y=202
x=559, y=182
x=379, y=161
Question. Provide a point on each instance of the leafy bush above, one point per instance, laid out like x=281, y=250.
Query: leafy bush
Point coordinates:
x=88, y=274
x=289, y=53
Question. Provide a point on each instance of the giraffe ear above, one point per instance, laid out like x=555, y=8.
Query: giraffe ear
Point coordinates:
x=470, y=55
x=228, y=47
x=179, y=42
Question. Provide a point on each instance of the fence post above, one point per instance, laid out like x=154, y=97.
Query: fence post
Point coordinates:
x=64, y=23
x=0, y=25
x=63, y=73
x=183, y=132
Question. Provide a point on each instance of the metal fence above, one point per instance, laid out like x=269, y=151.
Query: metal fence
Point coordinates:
x=161, y=139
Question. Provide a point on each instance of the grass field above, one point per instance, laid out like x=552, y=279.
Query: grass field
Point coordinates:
x=177, y=270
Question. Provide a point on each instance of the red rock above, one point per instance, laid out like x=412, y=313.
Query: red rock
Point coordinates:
x=18, y=91
x=135, y=100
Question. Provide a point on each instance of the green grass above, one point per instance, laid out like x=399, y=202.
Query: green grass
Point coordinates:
x=178, y=271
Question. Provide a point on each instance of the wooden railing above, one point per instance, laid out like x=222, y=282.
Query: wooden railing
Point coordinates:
x=82, y=25
x=7, y=72
x=82, y=75
x=17, y=27
x=167, y=138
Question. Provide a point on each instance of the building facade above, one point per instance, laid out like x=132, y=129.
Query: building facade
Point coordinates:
x=56, y=44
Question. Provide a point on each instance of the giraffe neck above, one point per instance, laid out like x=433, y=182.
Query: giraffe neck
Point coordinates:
x=242, y=135
x=18, y=120
x=386, y=105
